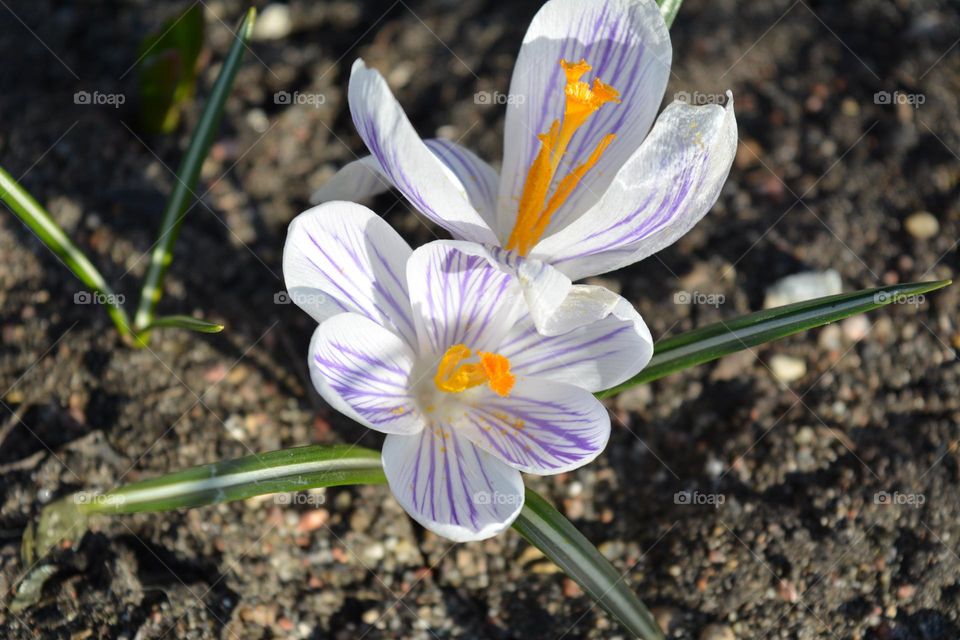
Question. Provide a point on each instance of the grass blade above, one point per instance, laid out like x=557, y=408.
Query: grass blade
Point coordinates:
x=723, y=338
x=25, y=207
x=185, y=322
x=669, y=9
x=187, y=176
x=545, y=528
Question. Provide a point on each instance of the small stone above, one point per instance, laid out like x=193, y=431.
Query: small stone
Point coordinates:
x=666, y=618
x=571, y=589
x=787, y=592
x=906, y=591
x=802, y=286
x=856, y=328
x=635, y=399
x=787, y=368
x=922, y=225
x=805, y=436
x=717, y=632
x=829, y=338
x=273, y=23
x=313, y=520
x=370, y=616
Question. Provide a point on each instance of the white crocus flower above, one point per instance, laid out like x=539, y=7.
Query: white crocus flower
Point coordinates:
x=432, y=348
x=586, y=186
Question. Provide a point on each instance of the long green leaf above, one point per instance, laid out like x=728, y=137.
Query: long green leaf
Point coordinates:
x=669, y=9
x=25, y=207
x=187, y=176
x=723, y=338
x=185, y=322
x=545, y=528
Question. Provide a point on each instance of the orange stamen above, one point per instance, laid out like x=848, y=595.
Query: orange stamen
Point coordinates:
x=454, y=377
x=581, y=101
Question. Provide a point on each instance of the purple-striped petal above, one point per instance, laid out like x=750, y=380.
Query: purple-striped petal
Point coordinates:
x=597, y=356
x=628, y=45
x=365, y=178
x=460, y=296
x=450, y=486
x=341, y=257
x=409, y=163
x=542, y=427
x=659, y=194
x=363, y=371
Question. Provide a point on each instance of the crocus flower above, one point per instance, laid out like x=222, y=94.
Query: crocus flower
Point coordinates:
x=586, y=185
x=432, y=348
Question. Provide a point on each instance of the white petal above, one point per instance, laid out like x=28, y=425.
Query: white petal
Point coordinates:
x=363, y=371
x=365, y=178
x=542, y=427
x=460, y=296
x=358, y=180
x=659, y=194
x=597, y=356
x=341, y=257
x=411, y=166
x=450, y=486
x=628, y=45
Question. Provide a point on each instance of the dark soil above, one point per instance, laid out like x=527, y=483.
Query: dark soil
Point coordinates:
x=825, y=178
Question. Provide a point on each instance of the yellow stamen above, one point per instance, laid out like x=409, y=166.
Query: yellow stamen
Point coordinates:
x=492, y=369
x=534, y=211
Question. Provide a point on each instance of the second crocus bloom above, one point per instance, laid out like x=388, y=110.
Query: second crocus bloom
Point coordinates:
x=587, y=186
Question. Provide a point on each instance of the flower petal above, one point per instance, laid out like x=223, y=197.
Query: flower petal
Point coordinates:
x=459, y=296
x=659, y=194
x=409, y=163
x=341, y=257
x=542, y=427
x=628, y=46
x=363, y=371
x=365, y=178
x=597, y=356
x=450, y=486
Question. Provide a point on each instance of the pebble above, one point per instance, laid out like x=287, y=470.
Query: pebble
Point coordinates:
x=787, y=368
x=273, y=23
x=635, y=399
x=666, y=618
x=856, y=328
x=922, y=225
x=802, y=286
x=717, y=632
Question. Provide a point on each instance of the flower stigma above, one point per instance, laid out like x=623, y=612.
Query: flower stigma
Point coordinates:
x=581, y=101
x=455, y=376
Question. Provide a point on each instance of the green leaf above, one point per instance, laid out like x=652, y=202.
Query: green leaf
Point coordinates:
x=187, y=176
x=167, y=71
x=669, y=9
x=185, y=322
x=723, y=338
x=545, y=528
x=25, y=207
